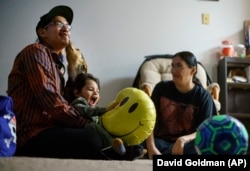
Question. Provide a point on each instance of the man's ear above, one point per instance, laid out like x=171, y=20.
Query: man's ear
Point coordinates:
x=41, y=32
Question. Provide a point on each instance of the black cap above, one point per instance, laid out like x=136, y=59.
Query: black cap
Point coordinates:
x=60, y=10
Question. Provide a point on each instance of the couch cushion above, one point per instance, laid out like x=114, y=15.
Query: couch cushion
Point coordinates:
x=155, y=70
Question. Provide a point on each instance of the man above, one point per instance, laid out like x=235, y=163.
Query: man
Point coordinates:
x=47, y=126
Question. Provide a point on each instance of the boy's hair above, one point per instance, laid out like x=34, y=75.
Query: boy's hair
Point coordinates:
x=81, y=79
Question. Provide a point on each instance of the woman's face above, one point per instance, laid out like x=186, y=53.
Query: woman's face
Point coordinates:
x=182, y=73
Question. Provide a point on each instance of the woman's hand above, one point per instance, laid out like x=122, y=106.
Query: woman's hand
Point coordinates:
x=153, y=151
x=178, y=146
x=151, y=148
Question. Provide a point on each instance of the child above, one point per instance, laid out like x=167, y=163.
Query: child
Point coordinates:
x=86, y=95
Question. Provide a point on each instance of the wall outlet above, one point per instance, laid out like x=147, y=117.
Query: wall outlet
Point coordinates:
x=205, y=19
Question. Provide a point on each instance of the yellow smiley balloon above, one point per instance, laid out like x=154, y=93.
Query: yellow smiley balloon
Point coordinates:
x=132, y=119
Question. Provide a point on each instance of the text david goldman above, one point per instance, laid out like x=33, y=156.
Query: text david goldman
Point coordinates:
x=189, y=162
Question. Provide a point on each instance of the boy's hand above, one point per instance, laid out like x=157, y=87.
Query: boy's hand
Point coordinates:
x=111, y=106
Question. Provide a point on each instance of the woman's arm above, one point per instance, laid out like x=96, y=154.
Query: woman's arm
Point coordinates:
x=178, y=147
x=151, y=148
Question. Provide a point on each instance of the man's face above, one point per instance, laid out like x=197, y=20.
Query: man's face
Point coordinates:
x=56, y=33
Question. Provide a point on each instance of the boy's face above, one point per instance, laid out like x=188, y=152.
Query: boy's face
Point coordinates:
x=90, y=92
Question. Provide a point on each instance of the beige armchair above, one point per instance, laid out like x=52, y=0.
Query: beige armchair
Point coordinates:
x=157, y=67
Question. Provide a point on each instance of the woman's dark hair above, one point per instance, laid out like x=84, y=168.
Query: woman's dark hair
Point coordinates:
x=81, y=80
x=190, y=59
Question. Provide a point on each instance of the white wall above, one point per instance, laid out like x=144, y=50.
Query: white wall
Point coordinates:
x=115, y=35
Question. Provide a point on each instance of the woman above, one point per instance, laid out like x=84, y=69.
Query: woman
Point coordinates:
x=182, y=104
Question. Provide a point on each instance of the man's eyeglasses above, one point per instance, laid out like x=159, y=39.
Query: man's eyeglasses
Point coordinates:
x=59, y=25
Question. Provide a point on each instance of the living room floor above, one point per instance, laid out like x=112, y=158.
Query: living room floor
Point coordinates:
x=49, y=164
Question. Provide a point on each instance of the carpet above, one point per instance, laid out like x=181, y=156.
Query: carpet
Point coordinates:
x=52, y=164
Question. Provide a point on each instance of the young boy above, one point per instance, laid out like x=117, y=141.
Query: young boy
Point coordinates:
x=86, y=95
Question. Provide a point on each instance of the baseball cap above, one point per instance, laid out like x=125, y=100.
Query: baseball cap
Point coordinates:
x=60, y=10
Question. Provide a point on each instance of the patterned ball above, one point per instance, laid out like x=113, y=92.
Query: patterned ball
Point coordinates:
x=221, y=134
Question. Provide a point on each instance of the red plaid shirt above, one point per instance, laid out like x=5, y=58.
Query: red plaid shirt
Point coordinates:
x=36, y=85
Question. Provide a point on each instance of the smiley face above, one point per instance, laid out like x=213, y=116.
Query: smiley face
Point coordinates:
x=133, y=118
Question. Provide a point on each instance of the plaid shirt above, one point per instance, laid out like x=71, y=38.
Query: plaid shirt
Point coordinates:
x=36, y=86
